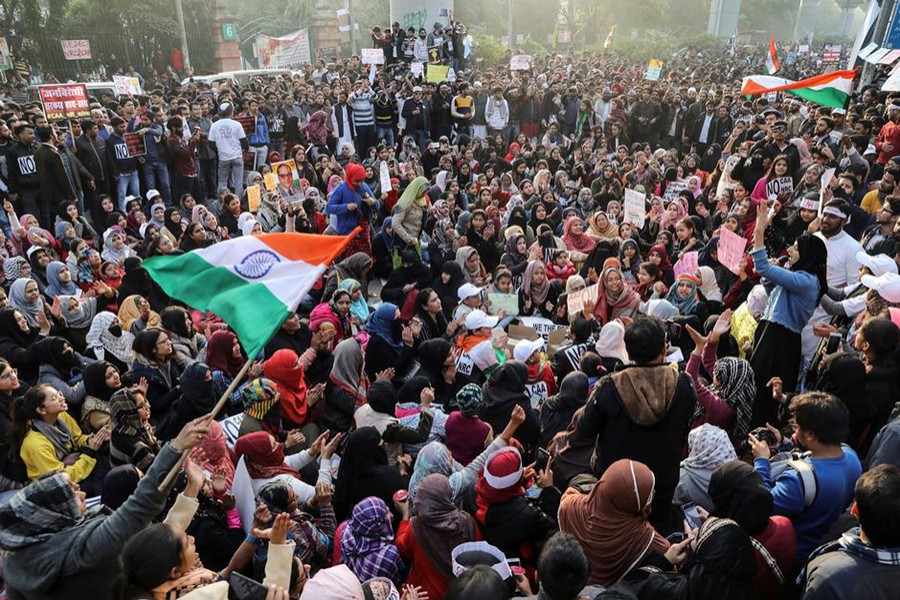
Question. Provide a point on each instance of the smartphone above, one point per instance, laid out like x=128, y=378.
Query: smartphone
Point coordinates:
x=691, y=514
x=833, y=343
x=244, y=588
x=543, y=458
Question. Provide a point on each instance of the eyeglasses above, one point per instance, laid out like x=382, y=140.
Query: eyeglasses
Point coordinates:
x=165, y=341
x=9, y=375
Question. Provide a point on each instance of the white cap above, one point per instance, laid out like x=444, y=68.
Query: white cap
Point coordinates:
x=887, y=285
x=477, y=84
x=871, y=149
x=224, y=106
x=417, y=88
x=151, y=194
x=467, y=290
x=879, y=264
x=525, y=348
x=478, y=319
x=129, y=198
x=500, y=566
x=839, y=111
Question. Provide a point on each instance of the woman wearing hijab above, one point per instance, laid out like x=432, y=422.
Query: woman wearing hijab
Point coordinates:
x=504, y=390
x=556, y=413
x=173, y=226
x=447, y=284
x=437, y=362
x=59, y=281
x=409, y=215
x=427, y=540
x=630, y=259
x=515, y=256
x=709, y=448
x=353, y=191
x=359, y=310
x=135, y=315
x=709, y=287
x=356, y=266
x=78, y=314
x=611, y=521
x=333, y=315
x=473, y=269
x=115, y=249
x=367, y=542
x=537, y=296
x=25, y=296
x=408, y=277
x=615, y=298
x=382, y=249
x=685, y=298
x=287, y=371
x=380, y=412
x=442, y=246
x=737, y=492
x=223, y=355
x=364, y=472
x=722, y=566
x=188, y=345
x=18, y=343
x=659, y=256
x=197, y=396
x=386, y=349
x=60, y=365
x=137, y=282
x=346, y=388
x=578, y=243
x=107, y=340
x=101, y=381
x=798, y=289
x=133, y=439
x=600, y=227
x=213, y=455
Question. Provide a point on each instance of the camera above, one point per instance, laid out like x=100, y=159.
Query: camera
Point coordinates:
x=763, y=435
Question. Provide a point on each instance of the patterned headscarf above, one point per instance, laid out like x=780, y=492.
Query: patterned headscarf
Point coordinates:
x=367, y=544
x=709, y=448
x=470, y=399
x=260, y=396
x=38, y=512
x=736, y=385
x=685, y=306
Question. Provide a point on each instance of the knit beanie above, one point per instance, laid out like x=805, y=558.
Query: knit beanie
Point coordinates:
x=470, y=399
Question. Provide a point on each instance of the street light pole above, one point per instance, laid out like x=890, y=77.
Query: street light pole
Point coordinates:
x=509, y=24
x=179, y=15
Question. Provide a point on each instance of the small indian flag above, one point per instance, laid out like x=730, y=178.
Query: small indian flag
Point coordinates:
x=252, y=282
x=772, y=65
x=829, y=89
x=608, y=42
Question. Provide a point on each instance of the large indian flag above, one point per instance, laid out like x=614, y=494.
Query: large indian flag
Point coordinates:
x=252, y=282
x=829, y=89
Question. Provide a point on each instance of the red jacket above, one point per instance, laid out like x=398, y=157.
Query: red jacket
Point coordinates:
x=890, y=133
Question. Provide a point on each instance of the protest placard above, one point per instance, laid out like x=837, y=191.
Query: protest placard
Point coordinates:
x=384, y=176
x=6, y=62
x=542, y=326
x=76, y=49
x=65, y=101
x=520, y=62
x=417, y=69
x=731, y=249
x=437, y=73
x=509, y=303
x=674, y=189
x=254, y=198
x=654, y=69
x=779, y=186
x=248, y=122
x=688, y=263
x=372, y=56
x=270, y=181
x=127, y=86
x=825, y=180
x=576, y=300
x=135, y=143
x=635, y=208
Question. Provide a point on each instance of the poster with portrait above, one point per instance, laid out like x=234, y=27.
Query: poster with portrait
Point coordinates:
x=287, y=181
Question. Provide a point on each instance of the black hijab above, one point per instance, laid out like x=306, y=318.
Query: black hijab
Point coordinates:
x=449, y=291
x=738, y=493
x=51, y=350
x=382, y=397
x=10, y=329
x=118, y=485
x=364, y=472
x=95, y=380
x=197, y=395
x=137, y=281
x=813, y=259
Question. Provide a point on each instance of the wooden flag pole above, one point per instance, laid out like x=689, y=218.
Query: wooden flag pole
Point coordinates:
x=173, y=473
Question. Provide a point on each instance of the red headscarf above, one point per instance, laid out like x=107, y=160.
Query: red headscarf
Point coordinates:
x=582, y=243
x=262, y=459
x=220, y=354
x=215, y=453
x=666, y=263
x=288, y=376
x=354, y=171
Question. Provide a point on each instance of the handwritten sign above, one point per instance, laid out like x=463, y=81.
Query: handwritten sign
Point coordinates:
x=635, y=208
x=576, y=300
x=270, y=181
x=135, y=143
x=127, y=86
x=780, y=186
x=674, y=189
x=826, y=178
x=76, y=49
x=688, y=263
x=509, y=303
x=248, y=122
x=372, y=56
x=384, y=176
x=254, y=198
x=520, y=62
x=537, y=393
x=437, y=73
x=731, y=249
x=417, y=69
x=65, y=101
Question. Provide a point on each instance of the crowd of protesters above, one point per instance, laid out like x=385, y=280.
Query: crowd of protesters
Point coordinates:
x=705, y=429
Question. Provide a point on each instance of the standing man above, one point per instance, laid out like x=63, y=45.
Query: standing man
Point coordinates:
x=129, y=183
x=342, y=122
x=206, y=157
x=363, y=110
x=479, y=123
x=57, y=184
x=888, y=141
x=416, y=115
x=94, y=155
x=156, y=171
x=24, y=184
x=182, y=153
x=227, y=138
x=276, y=117
x=496, y=113
x=259, y=140
x=462, y=108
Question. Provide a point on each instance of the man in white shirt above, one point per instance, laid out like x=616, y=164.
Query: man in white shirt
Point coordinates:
x=227, y=137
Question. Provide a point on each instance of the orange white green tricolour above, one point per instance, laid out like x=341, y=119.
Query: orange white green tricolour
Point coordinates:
x=829, y=89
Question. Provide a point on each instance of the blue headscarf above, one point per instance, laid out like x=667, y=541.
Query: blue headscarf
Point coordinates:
x=387, y=237
x=705, y=259
x=55, y=286
x=380, y=325
x=686, y=306
x=358, y=308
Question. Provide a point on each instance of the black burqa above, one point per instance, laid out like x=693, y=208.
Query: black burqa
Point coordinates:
x=503, y=391
x=365, y=472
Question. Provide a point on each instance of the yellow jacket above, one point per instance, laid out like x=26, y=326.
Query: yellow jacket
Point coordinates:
x=871, y=202
x=39, y=455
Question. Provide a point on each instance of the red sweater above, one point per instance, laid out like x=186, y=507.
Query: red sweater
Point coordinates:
x=422, y=572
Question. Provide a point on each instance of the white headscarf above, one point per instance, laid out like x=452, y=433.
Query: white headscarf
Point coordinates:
x=709, y=287
x=611, y=341
x=100, y=340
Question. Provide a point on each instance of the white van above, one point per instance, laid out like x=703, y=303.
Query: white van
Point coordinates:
x=241, y=77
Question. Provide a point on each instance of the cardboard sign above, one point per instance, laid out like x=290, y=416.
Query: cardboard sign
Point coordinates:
x=127, y=86
x=654, y=69
x=437, y=73
x=635, y=208
x=465, y=364
x=780, y=186
x=65, y=101
x=505, y=302
x=537, y=393
x=520, y=62
x=576, y=300
x=248, y=122
x=372, y=56
x=270, y=181
x=731, y=249
x=384, y=177
x=254, y=198
x=674, y=189
x=542, y=326
x=135, y=144
x=76, y=49
x=688, y=263
x=483, y=355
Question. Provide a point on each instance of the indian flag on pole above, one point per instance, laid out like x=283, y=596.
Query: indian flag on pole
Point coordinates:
x=772, y=65
x=829, y=89
x=252, y=282
x=608, y=42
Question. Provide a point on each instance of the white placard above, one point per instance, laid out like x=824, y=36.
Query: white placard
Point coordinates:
x=416, y=68
x=372, y=56
x=76, y=49
x=127, y=86
x=232, y=427
x=635, y=207
x=520, y=62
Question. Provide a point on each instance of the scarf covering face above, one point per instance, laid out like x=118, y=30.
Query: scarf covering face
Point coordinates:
x=581, y=242
x=212, y=453
x=367, y=544
x=28, y=308
x=220, y=354
x=78, y=314
x=439, y=526
x=127, y=420
x=38, y=512
x=358, y=307
x=471, y=274
x=260, y=398
x=347, y=372
x=736, y=385
x=537, y=293
x=738, y=492
x=411, y=195
x=686, y=306
x=101, y=340
x=264, y=459
x=283, y=369
x=56, y=287
x=129, y=312
x=611, y=522
x=381, y=325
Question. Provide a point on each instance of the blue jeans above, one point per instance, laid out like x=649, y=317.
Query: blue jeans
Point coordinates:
x=156, y=175
x=386, y=134
x=129, y=185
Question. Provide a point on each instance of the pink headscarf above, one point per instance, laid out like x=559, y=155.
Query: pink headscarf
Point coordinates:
x=212, y=454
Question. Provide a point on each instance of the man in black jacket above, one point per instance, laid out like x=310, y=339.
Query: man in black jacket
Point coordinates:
x=643, y=413
x=95, y=156
x=58, y=179
x=24, y=183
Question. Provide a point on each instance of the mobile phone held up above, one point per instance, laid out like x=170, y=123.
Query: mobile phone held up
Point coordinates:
x=691, y=514
x=543, y=458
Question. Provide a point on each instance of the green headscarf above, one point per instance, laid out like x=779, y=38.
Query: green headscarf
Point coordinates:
x=412, y=193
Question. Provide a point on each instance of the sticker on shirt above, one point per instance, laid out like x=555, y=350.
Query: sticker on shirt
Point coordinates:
x=465, y=364
x=27, y=166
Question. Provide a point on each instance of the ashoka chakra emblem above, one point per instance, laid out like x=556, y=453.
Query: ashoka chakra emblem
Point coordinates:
x=257, y=264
